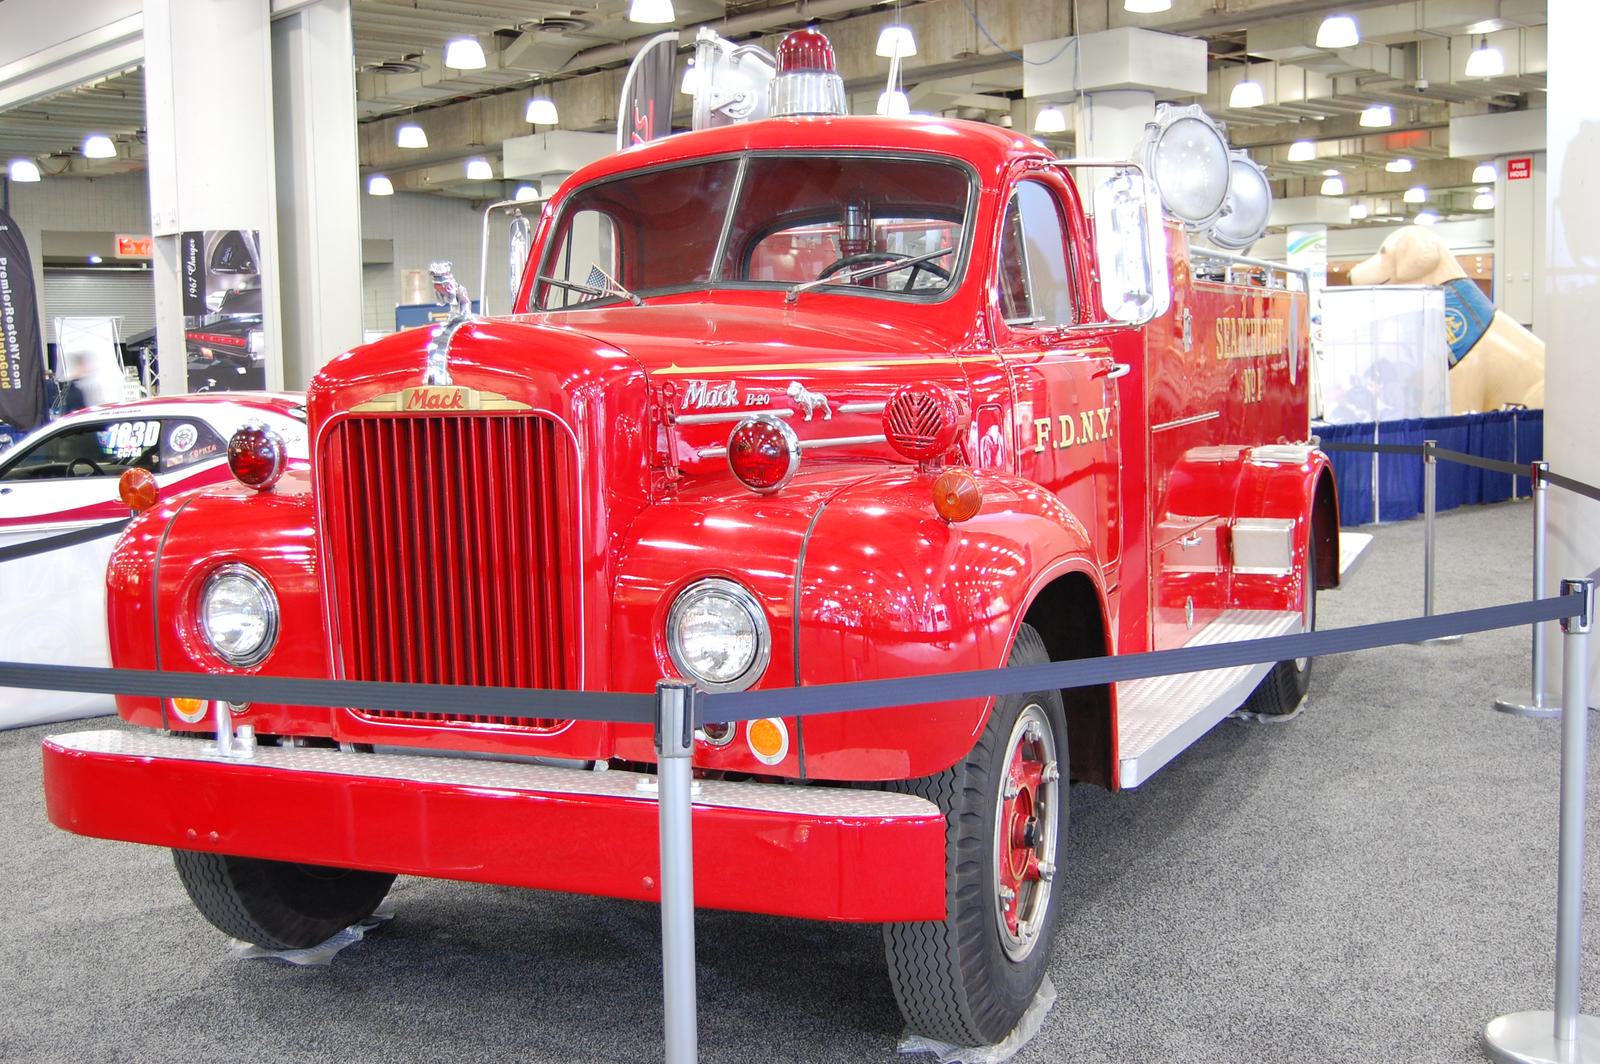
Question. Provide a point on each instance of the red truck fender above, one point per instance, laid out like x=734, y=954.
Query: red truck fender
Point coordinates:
x=921, y=595
x=1288, y=491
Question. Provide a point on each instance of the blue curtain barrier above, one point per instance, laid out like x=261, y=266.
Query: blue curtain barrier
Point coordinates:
x=1388, y=487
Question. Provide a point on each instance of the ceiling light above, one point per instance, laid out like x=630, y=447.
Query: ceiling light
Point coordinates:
x=1425, y=218
x=1247, y=93
x=1485, y=62
x=1302, y=151
x=1050, y=120
x=1416, y=194
x=1146, y=7
x=652, y=12
x=98, y=146
x=410, y=136
x=1330, y=173
x=542, y=112
x=1377, y=116
x=95, y=260
x=479, y=170
x=1483, y=173
x=1338, y=31
x=1483, y=201
x=896, y=42
x=24, y=170
x=893, y=103
x=378, y=185
x=1333, y=186
x=1359, y=211
x=1399, y=166
x=525, y=193
x=464, y=53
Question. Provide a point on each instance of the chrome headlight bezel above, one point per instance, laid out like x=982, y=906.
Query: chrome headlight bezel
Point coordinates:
x=259, y=585
x=734, y=597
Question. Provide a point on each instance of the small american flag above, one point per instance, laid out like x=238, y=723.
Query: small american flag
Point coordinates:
x=599, y=280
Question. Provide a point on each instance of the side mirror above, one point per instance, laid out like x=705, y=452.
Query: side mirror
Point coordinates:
x=1131, y=249
x=520, y=243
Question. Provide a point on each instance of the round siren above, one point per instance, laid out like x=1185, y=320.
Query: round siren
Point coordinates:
x=807, y=82
x=763, y=453
x=1185, y=154
x=1248, y=204
x=921, y=421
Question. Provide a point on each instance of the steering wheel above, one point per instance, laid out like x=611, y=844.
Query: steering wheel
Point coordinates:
x=93, y=470
x=865, y=257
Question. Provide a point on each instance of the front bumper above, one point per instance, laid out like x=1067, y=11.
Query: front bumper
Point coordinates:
x=824, y=853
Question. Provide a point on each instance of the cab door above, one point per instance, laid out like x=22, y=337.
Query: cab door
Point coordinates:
x=1065, y=420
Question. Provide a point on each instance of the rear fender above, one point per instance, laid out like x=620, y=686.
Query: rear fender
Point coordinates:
x=1285, y=500
x=889, y=589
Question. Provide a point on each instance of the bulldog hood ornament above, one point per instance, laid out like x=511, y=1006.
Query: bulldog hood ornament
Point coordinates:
x=452, y=294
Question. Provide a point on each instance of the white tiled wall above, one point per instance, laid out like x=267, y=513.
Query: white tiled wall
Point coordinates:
x=424, y=229
x=118, y=204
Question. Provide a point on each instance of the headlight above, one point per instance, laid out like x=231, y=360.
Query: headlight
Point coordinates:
x=239, y=615
x=717, y=635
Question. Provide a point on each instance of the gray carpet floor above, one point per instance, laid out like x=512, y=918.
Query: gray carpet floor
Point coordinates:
x=1371, y=881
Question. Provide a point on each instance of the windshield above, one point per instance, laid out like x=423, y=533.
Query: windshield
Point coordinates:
x=878, y=225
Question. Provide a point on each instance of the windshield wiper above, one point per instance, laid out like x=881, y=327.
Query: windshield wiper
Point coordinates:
x=615, y=289
x=852, y=276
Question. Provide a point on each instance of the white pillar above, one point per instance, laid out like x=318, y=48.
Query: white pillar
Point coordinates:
x=208, y=110
x=318, y=186
x=1572, y=392
x=1110, y=123
x=1519, y=235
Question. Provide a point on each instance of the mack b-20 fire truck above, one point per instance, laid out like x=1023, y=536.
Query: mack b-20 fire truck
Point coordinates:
x=809, y=399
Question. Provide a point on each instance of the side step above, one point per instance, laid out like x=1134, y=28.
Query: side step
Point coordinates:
x=1161, y=716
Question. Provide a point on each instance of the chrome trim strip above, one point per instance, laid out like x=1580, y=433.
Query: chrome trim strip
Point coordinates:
x=805, y=445
x=861, y=408
x=731, y=415
x=1182, y=421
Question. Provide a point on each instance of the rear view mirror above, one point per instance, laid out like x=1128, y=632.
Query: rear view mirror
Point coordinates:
x=1131, y=249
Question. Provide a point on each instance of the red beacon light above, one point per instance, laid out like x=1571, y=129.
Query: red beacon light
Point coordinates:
x=808, y=82
x=256, y=456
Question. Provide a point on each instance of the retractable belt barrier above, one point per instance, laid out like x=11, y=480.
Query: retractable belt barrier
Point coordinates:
x=530, y=703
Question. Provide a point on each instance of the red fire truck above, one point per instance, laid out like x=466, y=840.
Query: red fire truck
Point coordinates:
x=810, y=399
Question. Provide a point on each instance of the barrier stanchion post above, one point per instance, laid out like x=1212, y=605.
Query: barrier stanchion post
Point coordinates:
x=1535, y=706
x=675, y=706
x=1430, y=500
x=1564, y=1035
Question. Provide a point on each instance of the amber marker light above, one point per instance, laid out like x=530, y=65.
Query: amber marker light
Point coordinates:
x=768, y=739
x=256, y=456
x=137, y=488
x=956, y=495
x=189, y=710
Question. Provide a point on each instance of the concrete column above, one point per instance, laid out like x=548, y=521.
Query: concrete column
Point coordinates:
x=318, y=186
x=1115, y=78
x=1519, y=234
x=1572, y=393
x=208, y=110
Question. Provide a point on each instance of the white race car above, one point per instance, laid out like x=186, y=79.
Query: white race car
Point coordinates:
x=63, y=477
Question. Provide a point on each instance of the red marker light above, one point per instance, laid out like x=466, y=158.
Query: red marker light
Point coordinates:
x=256, y=456
x=806, y=52
x=763, y=453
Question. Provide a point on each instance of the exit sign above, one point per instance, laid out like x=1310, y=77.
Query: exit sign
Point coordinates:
x=1519, y=169
x=134, y=247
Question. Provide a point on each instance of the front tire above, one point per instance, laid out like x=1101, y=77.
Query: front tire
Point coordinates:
x=275, y=904
x=968, y=979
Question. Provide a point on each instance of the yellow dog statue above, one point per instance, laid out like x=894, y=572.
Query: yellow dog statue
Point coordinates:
x=1494, y=361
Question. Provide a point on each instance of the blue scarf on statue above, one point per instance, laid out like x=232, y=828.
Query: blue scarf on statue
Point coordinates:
x=1467, y=313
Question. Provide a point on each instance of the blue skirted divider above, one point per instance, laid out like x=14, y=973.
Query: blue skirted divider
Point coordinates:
x=1515, y=436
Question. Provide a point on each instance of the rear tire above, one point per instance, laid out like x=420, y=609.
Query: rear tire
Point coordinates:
x=276, y=904
x=968, y=979
x=1285, y=687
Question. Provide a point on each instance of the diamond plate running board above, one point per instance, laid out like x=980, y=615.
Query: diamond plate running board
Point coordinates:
x=1161, y=716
